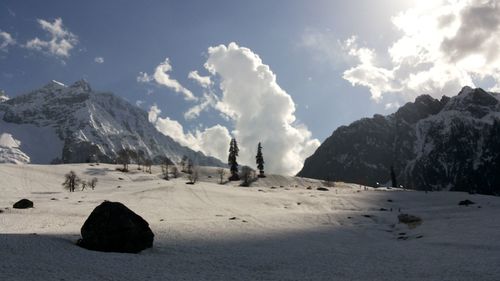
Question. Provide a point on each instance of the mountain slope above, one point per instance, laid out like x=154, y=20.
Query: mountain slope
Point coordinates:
x=71, y=124
x=432, y=144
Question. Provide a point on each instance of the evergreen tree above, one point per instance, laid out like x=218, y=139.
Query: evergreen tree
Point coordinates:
x=260, y=161
x=233, y=153
x=394, y=182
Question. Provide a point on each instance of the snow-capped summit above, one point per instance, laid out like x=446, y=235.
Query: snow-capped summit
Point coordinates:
x=452, y=143
x=59, y=123
x=3, y=96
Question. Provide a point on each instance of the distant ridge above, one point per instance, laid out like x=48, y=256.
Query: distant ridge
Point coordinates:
x=447, y=144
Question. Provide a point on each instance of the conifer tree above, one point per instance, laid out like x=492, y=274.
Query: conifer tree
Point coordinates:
x=260, y=161
x=394, y=182
x=233, y=153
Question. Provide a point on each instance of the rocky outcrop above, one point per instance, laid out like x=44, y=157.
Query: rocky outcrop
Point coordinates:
x=451, y=144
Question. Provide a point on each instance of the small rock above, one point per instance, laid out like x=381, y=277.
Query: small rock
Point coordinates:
x=119, y=186
x=162, y=220
x=389, y=200
x=1, y=211
x=233, y=218
x=23, y=204
x=243, y=221
x=121, y=179
x=367, y=216
x=54, y=199
x=383, y=209
x=402, y=233
x=298, y=203
x=466, y=202
x=322, y=189
x=409, y=219
x=273, y=187
x=309, y=188
x=420, y=236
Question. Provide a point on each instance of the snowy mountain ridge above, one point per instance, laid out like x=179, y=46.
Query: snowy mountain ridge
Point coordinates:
x=70, y=124
x=451, y=144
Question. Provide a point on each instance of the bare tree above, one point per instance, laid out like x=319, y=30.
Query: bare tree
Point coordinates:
x=147, y=164
x=93, y=183
x=247, y=175
x=123, y=158
x=193, y=176
x=71, y=181
x=175, y=172
x=221, y=172
x=83, y=184
x=165, y=170
x=140, y=157
x=165, y=164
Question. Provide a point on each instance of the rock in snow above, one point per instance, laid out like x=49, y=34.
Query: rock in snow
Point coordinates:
x=112, y=227
x=23, y=204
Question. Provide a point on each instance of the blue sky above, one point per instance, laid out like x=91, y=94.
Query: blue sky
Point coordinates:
x=391, y=50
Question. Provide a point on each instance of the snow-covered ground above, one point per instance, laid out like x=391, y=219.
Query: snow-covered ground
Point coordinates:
x=287, y=232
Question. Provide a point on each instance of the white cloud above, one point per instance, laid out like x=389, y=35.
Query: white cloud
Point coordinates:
x=204, y=81
x=260, y=110
x=325, y=47
x=139, y=103
x=99, y=60
x=143, y=77
x=161, y=76
x=209, y=99
x=213, y=141
x=61, y=40
x=444, y=46
x=6, y=40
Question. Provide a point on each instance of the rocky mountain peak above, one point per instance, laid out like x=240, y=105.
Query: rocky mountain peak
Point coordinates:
x=82, y=85
x=76, y=124
x=447, y=144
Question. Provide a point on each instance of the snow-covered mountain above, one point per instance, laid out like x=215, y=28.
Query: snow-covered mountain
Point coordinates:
x=72, y=124
x=3, y=96
x=452, y=144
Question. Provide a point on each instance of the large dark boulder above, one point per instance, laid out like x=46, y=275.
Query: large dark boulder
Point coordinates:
x=112, y=227
x=23, y=204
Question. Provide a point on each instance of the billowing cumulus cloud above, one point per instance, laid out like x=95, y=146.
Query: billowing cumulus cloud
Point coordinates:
x=249, y=97
x=162, y=77
x=60, y=42
x=260, y=110
x=213, y=141
x=6, y=40
x=444, y=46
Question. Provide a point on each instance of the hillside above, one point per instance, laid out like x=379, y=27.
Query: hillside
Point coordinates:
x=75, y=124
x=209, y=231
x=447, y=144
